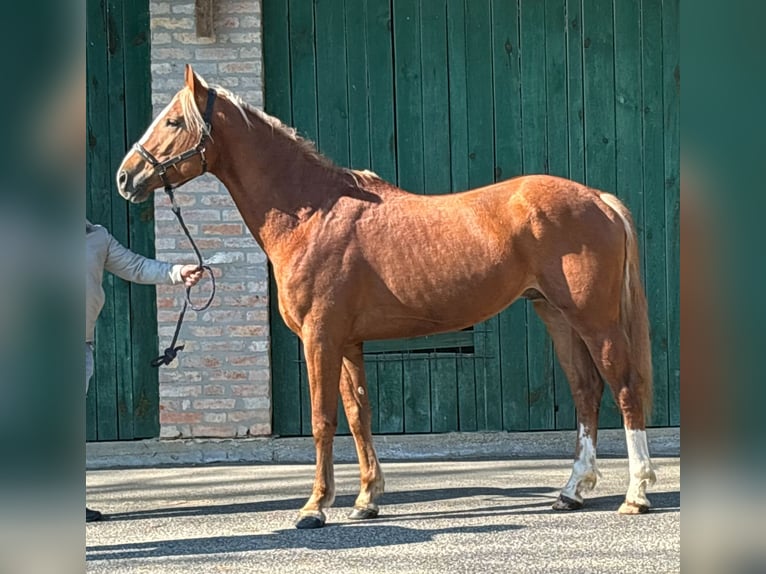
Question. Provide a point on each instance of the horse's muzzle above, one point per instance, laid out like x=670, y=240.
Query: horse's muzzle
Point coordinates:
x=132, y=188
x=133, y=193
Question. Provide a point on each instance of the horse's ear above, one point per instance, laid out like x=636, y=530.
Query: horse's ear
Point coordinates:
x=193, y=81
x=189, y=77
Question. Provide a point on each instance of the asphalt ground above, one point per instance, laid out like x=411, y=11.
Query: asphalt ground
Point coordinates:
x=455, y=516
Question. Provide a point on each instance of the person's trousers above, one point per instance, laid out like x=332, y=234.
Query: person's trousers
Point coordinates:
x=88, y=364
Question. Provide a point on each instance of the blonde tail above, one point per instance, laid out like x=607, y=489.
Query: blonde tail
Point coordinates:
x=634, y=315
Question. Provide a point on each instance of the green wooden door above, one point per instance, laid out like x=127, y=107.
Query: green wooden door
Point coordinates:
x=446, y=95
x=123, y=399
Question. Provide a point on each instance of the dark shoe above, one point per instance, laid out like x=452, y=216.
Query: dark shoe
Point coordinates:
x=92, y=515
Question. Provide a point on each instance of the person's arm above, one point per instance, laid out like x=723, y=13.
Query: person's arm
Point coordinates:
x=139, y=269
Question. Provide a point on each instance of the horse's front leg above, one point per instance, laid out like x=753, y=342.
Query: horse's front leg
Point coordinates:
x=353, y=388
x=323, y=361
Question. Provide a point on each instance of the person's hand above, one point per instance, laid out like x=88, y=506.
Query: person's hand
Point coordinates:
x=191, y=274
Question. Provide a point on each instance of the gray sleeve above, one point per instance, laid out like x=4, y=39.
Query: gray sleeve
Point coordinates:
x=139, y=269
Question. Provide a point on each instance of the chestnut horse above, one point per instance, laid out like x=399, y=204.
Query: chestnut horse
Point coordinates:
x=356, y=259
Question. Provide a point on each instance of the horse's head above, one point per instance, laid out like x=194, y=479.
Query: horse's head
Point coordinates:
x=172, y=150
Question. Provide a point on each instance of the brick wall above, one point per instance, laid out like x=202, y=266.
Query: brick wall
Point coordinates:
x=220, y=386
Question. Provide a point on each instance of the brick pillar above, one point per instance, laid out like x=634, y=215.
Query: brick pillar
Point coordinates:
x=220, y=385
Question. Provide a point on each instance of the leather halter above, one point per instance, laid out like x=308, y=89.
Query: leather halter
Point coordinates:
x=161, y=167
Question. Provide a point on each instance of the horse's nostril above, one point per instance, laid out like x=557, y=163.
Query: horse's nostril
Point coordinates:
x=122, y=178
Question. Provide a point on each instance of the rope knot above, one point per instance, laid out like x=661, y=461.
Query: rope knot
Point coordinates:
x=168, y=356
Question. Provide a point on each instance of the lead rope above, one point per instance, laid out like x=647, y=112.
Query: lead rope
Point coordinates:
x=171, y=352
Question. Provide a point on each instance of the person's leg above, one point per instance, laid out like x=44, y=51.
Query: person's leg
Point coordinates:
x=90, y=515
x=88, y=364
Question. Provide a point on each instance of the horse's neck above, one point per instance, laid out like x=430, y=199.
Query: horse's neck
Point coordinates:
x=275, y=184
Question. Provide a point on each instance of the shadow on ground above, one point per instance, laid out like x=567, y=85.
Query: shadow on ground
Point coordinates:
x=488, y=499
x=347, y=501
x=328, y=538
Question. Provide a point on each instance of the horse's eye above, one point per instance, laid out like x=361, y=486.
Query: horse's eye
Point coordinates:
x=173, y=122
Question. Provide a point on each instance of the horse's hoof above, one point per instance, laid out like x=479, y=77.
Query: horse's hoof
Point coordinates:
x=566, y=503
x=307, y=521
x=363, y=513
x=632, y=508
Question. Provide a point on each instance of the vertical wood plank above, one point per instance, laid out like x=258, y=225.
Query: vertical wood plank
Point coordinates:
x=533, y=69
x=143, y=333
x=287, y=392
x=565, y=418
x=458, y=116
x=458, y=172
x=436, y=173
x=541, y=381
x=120, y=226
x=300, y=69
x=332, y=97
x=417, y=394
x=106, y=353
x=97, y=168
x=532, y=34
x=598, y=64
x=627, y=85
x=444, y=411
x=466, y=390
x=575, y=106
x=557, y=136
x=654, y=202
x=512, y=323
x=489, y=404
x=601, y=172
x=481, y=171
x=276, y=55
x=408, y=84
x=390, y=395
x=556, y=88
x=671, y=100
x=357, y=66
x=380, y=78
x=435, y=94
x=506, y=74
x=628, y=145
x=479, y=97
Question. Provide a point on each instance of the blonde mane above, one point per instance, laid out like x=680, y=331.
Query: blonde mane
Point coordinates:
x=196, y=125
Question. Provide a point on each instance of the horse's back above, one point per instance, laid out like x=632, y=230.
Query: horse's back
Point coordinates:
x=537, y=191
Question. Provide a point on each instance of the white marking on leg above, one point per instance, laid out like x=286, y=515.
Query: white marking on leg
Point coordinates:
x=584, y=472
x=641, y=470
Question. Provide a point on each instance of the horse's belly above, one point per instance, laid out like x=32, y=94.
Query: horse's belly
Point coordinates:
x=414, y=309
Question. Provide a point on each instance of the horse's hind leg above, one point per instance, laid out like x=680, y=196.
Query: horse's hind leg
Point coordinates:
x=587, y=388
x=353, y=388
x=611, y=353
